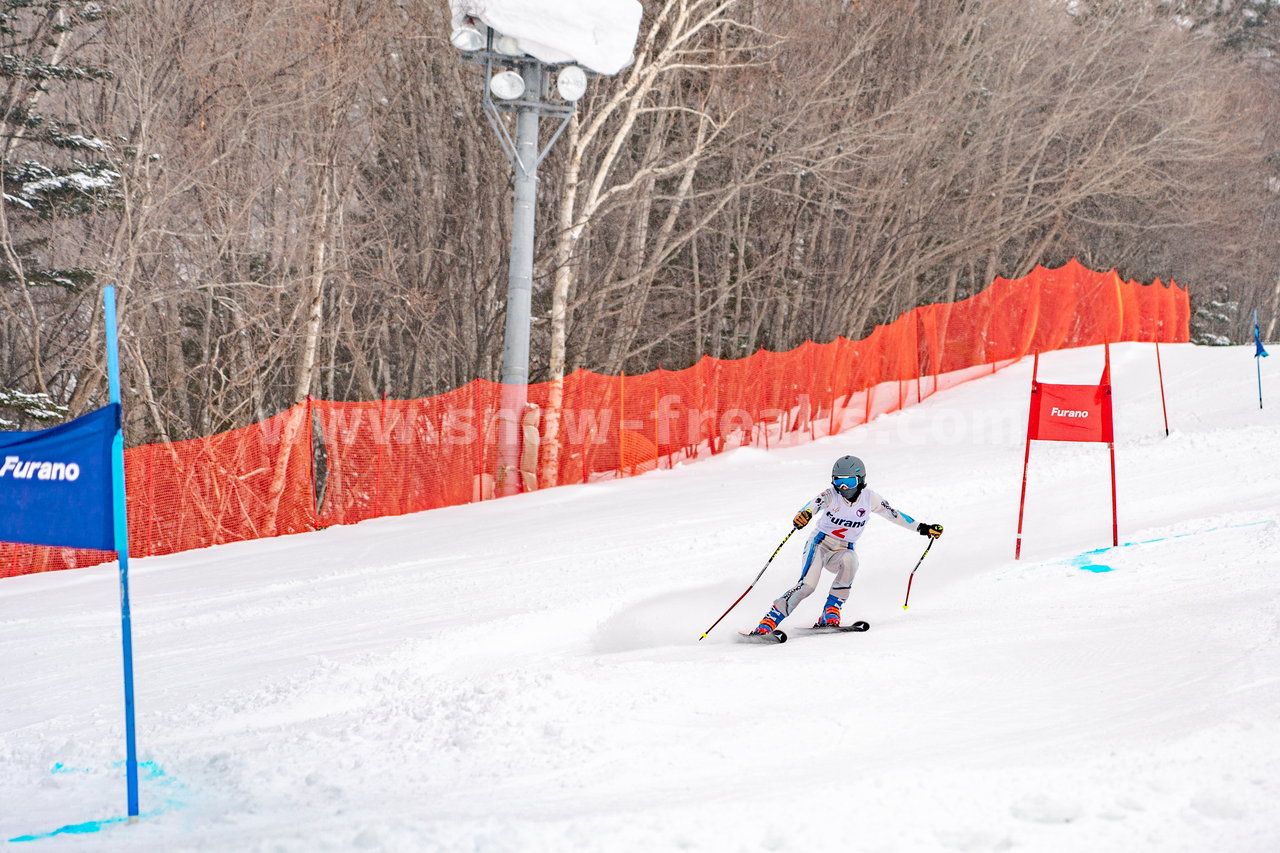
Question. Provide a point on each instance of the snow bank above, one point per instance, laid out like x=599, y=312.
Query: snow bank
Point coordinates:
x=599, y=34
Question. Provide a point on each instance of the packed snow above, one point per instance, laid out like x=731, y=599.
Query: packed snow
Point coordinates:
x=525, y=674
x=600, y=34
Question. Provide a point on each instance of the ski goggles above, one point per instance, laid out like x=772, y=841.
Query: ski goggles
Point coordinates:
x=846, y=482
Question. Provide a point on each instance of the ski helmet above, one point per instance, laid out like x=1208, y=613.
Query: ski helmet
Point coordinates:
x=849, y=477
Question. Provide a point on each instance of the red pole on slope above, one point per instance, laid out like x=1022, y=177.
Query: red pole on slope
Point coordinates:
x=1022, y=501
x=1026, y=459
x=1111, y=445
x=1115, y=524
x=1160, y=371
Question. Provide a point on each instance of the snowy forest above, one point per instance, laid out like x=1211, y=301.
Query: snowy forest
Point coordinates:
x=303, y=196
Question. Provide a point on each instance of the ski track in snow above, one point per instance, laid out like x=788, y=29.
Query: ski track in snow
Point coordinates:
x=525, y=674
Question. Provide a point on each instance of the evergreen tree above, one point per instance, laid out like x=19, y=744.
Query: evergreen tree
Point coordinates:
x=37, y=408
x=51, y=168
x=1213, y=320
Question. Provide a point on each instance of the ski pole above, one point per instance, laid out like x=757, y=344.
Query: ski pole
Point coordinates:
x=913, y=571
x=753, y=583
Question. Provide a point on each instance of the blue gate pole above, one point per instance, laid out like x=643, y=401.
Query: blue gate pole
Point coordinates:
x=121, y=521
x=1258, y=354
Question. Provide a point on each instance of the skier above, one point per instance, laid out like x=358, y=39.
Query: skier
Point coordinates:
x=844, y=509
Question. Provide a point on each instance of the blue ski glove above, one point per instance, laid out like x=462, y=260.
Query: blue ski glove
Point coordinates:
x=933, y=531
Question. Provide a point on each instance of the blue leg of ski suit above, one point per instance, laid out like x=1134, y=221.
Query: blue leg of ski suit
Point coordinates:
x=822, y=553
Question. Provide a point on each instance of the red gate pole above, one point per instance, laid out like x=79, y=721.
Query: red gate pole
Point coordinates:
x=1115, y=524
x=1022, y=501
x=1026, y=459
x=1163, y=408
x=1111, y=444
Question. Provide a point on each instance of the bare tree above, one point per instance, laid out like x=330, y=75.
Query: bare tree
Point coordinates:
x=308, y=199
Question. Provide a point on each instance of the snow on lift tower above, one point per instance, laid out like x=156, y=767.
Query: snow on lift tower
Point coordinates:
x=599, y=34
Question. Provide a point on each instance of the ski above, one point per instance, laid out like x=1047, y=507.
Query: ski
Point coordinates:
x=853, y=628
x=770, y=638
x=781, y=637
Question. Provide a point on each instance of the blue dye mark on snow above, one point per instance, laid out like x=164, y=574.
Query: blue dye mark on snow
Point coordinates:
x=148, y=771
x=1085, y=560
x=72, y=829
x=1088, y=560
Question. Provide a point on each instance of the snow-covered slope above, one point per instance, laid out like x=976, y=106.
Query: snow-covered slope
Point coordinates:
x=525, y=675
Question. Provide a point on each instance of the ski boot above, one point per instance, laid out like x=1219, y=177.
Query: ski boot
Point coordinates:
x=830, y=617
x=769, y=623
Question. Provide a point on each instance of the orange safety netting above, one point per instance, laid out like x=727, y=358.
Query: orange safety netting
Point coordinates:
x=399, y=456
x=243, y=484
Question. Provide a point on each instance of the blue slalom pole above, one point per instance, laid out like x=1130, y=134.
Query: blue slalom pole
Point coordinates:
x=1259, y=353
x=121, y=521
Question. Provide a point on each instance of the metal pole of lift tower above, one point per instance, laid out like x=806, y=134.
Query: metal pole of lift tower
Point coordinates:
x=521, y=89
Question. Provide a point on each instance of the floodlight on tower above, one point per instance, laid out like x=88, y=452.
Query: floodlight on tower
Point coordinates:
x=571, y=83
x=508, y=85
